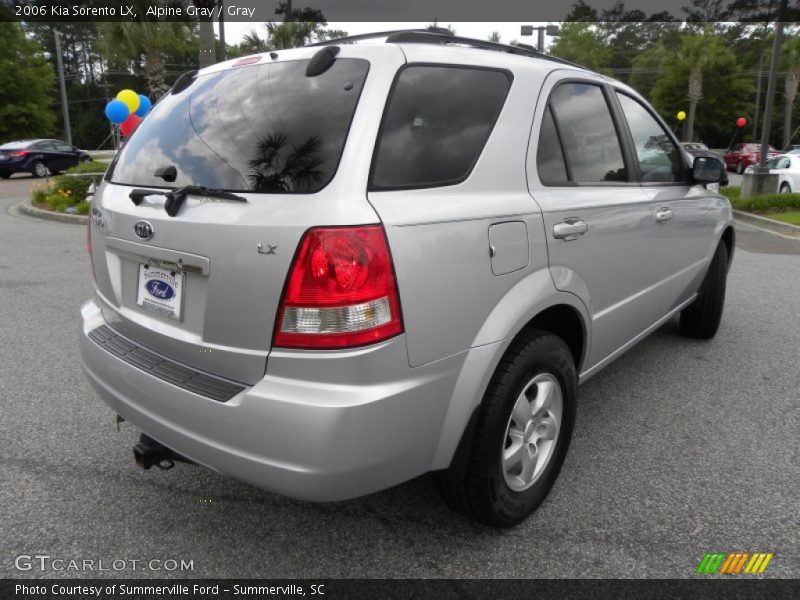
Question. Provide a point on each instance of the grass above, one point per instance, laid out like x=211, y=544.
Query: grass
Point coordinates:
x=767, y=204
x=792, y=217
x=67, y=192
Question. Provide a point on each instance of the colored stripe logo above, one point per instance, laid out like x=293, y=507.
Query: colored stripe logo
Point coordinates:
x=734, y=563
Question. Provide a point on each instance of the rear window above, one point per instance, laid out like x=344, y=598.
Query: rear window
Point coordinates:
x=264, y=128
x=15, y=146
x=436, y=124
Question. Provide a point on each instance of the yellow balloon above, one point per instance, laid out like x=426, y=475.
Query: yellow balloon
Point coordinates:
x=681, y=116
x=130, y=99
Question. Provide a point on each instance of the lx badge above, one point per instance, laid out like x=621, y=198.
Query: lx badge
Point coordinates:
x=270, y=249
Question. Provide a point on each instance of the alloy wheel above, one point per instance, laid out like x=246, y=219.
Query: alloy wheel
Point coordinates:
x=532, y=431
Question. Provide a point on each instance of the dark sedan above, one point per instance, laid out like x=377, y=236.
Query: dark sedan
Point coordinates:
x=39, y=157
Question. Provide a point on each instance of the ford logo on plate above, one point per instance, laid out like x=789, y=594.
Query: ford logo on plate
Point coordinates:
x=160, y=289
x=143, y=230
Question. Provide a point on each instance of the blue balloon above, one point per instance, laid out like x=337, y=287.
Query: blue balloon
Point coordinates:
x=144, y=106
x=117, y=111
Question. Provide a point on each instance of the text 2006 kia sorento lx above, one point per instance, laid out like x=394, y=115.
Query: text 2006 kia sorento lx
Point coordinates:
x=328, y=270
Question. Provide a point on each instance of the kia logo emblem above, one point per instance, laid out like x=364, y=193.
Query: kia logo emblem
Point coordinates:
x=143, y=230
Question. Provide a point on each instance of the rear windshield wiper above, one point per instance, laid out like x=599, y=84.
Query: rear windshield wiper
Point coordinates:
x=175, y=198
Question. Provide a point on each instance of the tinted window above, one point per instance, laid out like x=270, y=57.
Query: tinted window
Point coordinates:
x=44, y=146
x=587, y=131
x=15, y=146
x=62, y=147
x=782, y=163
x=265, y=128
x=436, y=124
x=549, y=157
x=659, y=158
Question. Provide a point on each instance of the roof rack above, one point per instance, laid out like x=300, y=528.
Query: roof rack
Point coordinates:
x=369, y=36
x=442, y=36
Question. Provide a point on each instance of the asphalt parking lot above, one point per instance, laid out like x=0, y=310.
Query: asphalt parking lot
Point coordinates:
x=681, y=447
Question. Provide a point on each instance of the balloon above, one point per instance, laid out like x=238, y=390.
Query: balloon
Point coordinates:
x=144, y=106
x=681, y=115
x=129, y=125
x=117, y=111
x=130, y=98
x=741, y=122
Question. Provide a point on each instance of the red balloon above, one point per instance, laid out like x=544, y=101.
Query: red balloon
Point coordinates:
x=129, y=124
x=741, y=122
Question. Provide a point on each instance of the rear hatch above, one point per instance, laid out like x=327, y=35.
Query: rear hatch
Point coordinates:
x=202, y=287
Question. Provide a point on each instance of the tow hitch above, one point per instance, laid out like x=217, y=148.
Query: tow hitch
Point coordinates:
x=150, y=453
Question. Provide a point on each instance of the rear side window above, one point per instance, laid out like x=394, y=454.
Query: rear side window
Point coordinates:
x=436, y=124
x=549, y=157
x=264, y=128
x=587, y=133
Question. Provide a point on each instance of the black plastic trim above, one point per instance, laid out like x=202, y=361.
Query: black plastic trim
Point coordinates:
x=165, y=369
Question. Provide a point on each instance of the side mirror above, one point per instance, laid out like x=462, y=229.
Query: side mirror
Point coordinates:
x=709, y=169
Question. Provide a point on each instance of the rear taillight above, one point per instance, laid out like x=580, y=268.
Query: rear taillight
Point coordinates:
x=18, y=153
x=340, y=292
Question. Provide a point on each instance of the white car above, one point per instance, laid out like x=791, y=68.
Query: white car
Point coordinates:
x=787, y=167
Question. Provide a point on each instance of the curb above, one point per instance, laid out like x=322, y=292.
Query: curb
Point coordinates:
x=29, y=209
x=767, y=223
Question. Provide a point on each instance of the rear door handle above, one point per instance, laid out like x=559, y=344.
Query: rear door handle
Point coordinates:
x=663, y=215
x=570, y=229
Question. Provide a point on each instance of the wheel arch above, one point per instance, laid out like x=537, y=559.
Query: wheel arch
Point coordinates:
x=563, y=314
x=729, y=239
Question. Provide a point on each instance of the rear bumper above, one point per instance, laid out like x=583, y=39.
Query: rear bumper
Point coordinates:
x=16, y=166
x=320, y=425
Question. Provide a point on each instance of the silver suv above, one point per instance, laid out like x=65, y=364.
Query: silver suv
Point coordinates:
x=328, y=270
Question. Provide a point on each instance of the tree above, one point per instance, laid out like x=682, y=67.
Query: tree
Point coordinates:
x=580, y=42
x=581, y=12
x=792, y=64
x=699, y=54
x=702, y=58
x=26, y=84
x=646, y=69
x=147, y=40
x=302, y=27
x=494, y=37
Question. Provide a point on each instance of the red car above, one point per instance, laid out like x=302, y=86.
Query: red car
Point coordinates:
x=741, y=156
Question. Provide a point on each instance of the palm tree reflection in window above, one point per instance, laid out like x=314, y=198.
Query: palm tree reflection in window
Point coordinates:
x=276, y=168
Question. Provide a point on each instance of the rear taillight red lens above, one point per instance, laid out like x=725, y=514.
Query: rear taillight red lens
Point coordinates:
x=340, y=292
x=18, y=153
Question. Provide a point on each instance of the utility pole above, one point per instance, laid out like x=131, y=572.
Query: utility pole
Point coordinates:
x=758, y=95
x=64, y=105
x=773, y=76
x=223, y=52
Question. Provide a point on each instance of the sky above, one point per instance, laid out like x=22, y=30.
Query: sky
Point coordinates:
x=235, y=31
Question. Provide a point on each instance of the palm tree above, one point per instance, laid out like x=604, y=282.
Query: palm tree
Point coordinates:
x=134, y=40
x=698, y=53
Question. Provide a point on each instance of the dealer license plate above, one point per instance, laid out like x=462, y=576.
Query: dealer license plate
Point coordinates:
x=160, y=291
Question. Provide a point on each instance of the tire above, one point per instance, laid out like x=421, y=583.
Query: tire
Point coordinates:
x=702, y=317
x=40, y=169
x=499, y=493
x=740, y=168
x=785, y=188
